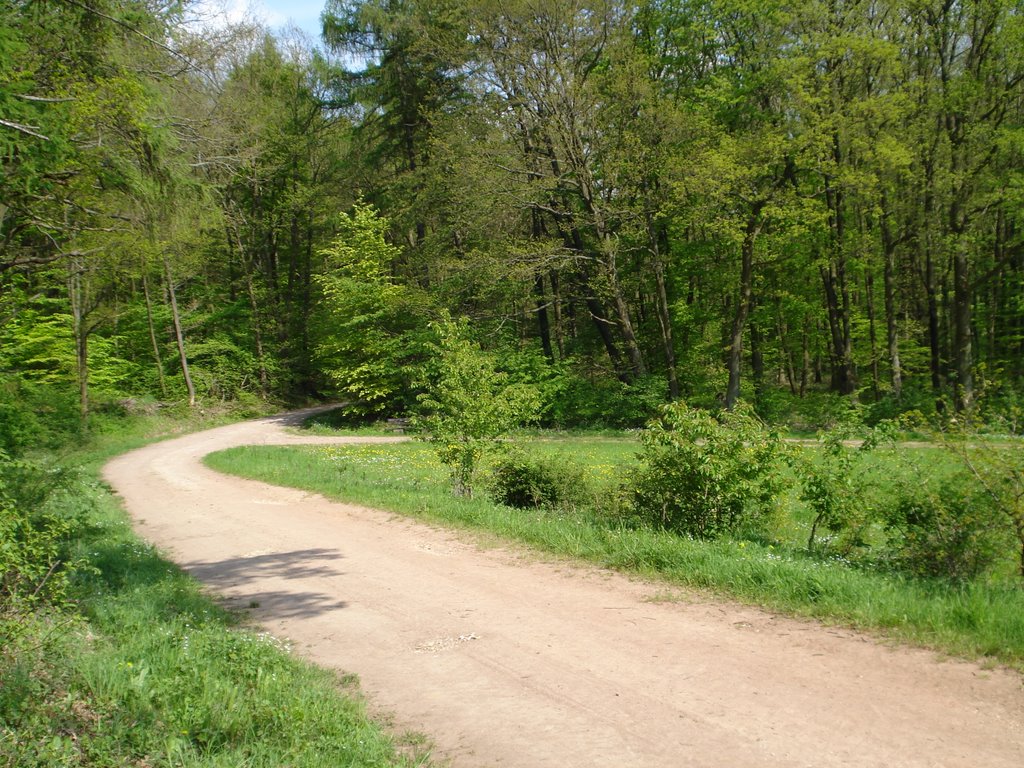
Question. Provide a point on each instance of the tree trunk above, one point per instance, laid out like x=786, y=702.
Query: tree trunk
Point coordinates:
x=179, y=335
x=250, y=291
x=844, y=376
x=869, y=289
x=152, y=337
x=935, y=352
x=636, y=360
x=574, y=240
x=892, y=339
x=837, y=295
x=756, y=357
x=607, y=258
x=622, y=313
x=661, y=305
x=602, y=324
x=963, y=351
x=76, y=296
x=806, y=368
x=556, y=302
x=739, y=321
x=787, y=353
x=543, y=322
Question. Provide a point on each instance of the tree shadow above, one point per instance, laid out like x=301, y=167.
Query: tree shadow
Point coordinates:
x=297, y=418
x=235, y=573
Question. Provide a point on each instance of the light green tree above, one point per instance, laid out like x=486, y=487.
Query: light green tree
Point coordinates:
x=371, y=330
x=469, y=405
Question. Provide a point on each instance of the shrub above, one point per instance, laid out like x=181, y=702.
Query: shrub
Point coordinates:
x=840, y=491
x=577, y=399
x=703, y=474
x=34, y=416
x=914, y=400
x=812, y=412
x=529, y=482
x=950, y=530
x=33, y=538
x=997, y=470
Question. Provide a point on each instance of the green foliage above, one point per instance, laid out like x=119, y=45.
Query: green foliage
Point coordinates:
x=997, y=473
x=913, y=401
x=811, y=413
x=38, y=344
x=223, y=369
x=528, y=481
x=703, y=474
x=468, y=405
x=34, y=538
x=575, y=399
x=946, y=529
x=372, y=330
x=841, y=491
x=34, y=416
x=947, y=513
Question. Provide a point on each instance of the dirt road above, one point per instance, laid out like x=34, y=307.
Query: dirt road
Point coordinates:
x=503, y=660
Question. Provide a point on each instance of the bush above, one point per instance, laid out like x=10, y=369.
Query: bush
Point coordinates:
x=342, y=417
x=915, y=399
x=997, y=470
x=530, y=482
x=703, y=474
x=34, y=416
x=34, y=539
x=841, y=491
x=949, y=531
x=813, y=412
x=575, y=399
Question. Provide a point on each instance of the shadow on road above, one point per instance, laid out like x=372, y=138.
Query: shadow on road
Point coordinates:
x=296, y=418
x=234, y=575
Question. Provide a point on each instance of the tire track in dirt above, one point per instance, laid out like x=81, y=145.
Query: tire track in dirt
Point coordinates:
x=506, y=660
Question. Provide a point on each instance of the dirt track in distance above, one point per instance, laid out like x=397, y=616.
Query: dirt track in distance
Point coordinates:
x=503, y=659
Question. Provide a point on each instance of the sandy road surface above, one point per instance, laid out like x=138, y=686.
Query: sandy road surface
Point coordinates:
x=506, y=661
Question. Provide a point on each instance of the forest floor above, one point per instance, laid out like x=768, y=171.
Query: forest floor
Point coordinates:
x=504, y=658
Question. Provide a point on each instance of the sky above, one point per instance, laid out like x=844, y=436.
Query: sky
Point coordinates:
x=276, y=14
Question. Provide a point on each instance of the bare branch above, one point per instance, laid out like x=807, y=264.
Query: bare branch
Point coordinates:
x=31, y=130
x=44, y=99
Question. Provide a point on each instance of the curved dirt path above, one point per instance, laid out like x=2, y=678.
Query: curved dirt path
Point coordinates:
x=505, y=660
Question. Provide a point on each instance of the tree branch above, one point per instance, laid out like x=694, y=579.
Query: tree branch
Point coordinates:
x=31, y=130
x=134, y=30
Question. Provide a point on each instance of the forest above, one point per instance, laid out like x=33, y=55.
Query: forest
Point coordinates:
x=807, y=207
x=680, y=237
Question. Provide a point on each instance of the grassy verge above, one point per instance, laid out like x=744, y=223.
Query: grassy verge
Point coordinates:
x=143, y=669
x=977, y=620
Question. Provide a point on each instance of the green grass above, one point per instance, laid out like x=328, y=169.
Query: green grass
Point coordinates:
x=978, y=620
x=145, y=670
